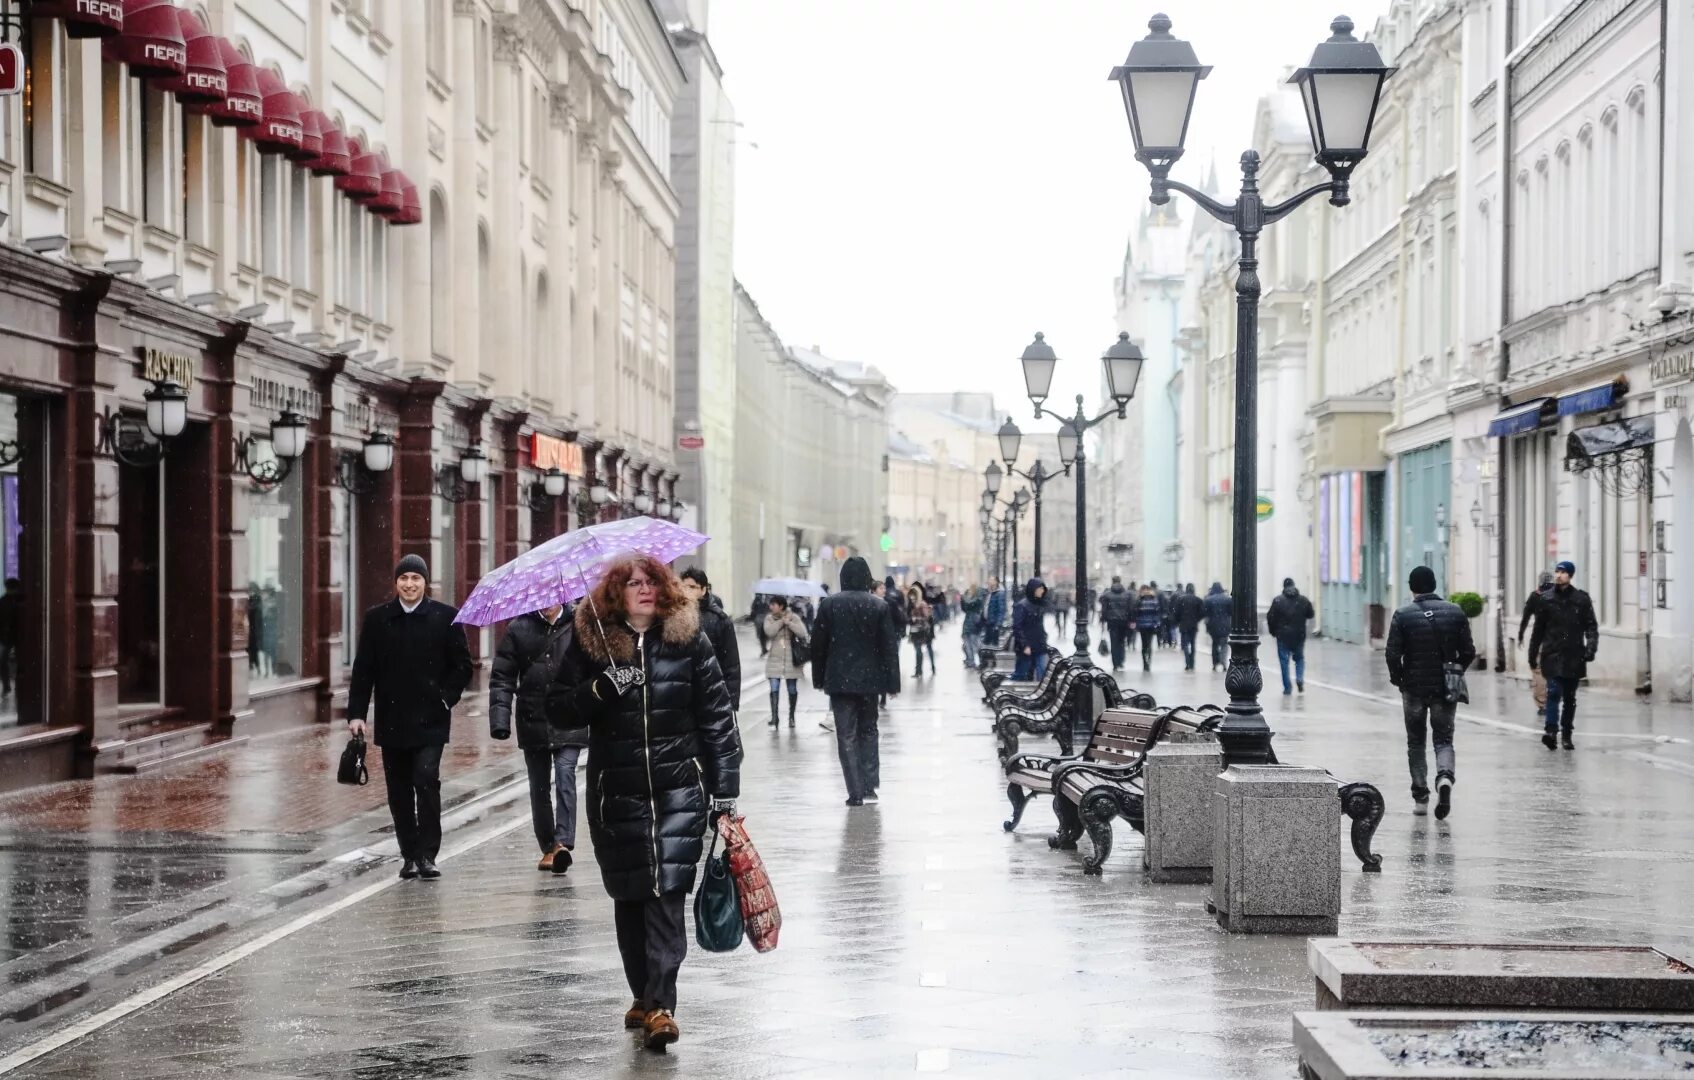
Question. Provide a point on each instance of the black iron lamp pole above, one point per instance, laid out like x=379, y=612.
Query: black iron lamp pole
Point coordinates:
x=1010, y=438
x=1341, y=88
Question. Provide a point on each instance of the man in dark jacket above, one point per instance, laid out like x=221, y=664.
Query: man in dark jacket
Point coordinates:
x=856, y=658
x=1563, y=644
x=1117, y=610
x=1220, y=612
x=1029, y=632
x=1286, y=621
x=993, y=613
x=1532, y=608
x=1187, y=611
x=719, y=629
x=524, y=667
x=896, y=599
x=1149, y=618
x=970, y=605
x=415, y=662
x=1423, y=638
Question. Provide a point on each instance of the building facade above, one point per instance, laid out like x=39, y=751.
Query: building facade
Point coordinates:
x=441, y=226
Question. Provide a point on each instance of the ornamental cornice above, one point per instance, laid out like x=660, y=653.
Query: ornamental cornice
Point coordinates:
x=561, y=112
x=1544, y=56
x=508, y=38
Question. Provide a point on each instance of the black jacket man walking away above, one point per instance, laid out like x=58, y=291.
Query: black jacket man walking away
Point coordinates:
x=856, y=658
x=1425, y=636
x=415, y=662
x=1562, y=645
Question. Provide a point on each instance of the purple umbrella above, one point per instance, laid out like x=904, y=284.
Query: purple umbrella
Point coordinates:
x=568, y=566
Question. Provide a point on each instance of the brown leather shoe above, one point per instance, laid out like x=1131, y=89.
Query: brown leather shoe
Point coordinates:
x=546, y=863
x=636, y=1016
x=661, y=1030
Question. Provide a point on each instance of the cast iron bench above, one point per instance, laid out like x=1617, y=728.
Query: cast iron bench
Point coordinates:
x=1052, y=714
x=1120, y=737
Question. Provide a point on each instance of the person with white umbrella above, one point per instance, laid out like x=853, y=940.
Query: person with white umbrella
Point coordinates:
x=784, y=629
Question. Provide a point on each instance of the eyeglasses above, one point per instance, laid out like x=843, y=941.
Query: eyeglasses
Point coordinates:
x=638, y=583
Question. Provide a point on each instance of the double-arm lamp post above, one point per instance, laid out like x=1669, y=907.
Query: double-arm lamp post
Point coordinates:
x=1122, y=363
x=1007, y=522
x=1011, y=439
x=1340, y=88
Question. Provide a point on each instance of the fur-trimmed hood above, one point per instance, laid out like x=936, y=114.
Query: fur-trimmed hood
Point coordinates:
x=678, y=629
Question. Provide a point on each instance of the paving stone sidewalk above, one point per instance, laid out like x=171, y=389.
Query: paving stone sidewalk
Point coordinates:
x=918, y=937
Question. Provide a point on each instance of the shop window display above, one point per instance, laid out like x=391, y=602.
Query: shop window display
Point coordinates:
x=276, y=560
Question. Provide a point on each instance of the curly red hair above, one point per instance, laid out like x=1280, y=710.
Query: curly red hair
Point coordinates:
x=609, y=594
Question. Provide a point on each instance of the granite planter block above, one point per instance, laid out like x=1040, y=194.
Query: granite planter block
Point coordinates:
x=1179, y=777
x=1276, y=865
x=1456, y=1046
x=1456, y=975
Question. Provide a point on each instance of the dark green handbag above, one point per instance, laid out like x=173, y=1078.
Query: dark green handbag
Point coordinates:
x=718, y=926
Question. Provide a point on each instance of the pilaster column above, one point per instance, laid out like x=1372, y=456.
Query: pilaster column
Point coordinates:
x=410, y=290
x=508, y=294
x=463, y=150
x=558, y=386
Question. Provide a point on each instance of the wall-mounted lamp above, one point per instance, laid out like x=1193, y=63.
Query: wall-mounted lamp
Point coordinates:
x=143, y=443
x=289, y=435
x=356, y=470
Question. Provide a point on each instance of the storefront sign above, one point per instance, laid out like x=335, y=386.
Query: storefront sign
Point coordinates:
x=160, y=366
x=1264, y=508
x=11, y=68
x=1673, y=367
x=546, y=452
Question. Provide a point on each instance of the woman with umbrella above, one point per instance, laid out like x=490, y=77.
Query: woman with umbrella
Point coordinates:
x=661, y=737
x=783, y=628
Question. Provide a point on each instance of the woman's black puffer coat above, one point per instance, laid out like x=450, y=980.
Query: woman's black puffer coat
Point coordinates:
x=656, y=755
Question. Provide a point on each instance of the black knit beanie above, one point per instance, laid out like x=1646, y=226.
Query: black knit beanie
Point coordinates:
x=412, y=564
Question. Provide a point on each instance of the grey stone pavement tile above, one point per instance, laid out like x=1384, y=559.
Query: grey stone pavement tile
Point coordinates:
x=919, y=938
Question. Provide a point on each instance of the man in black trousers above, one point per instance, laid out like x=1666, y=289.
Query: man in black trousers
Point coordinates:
x=856, y=658
x=415, y=661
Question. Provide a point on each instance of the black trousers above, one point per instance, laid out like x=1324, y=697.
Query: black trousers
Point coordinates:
x=413, y=777
x=652, y=939
x=1220, y=650
x=1119, y=633
x=1147, y=637
x=1188, y=649
x=856, y=741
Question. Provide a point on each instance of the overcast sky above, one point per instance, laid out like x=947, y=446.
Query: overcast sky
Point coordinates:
x=935, y=180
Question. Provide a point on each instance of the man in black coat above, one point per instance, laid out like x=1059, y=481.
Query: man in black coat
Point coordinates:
x=1286, y=620
x=1423, y=638
x=1562, y=645
x=1117, y=610
x=719, y=629
x=414, y=660
x=1220, y=612
x=1187, y=611
x=524, y=667
x=855, y=658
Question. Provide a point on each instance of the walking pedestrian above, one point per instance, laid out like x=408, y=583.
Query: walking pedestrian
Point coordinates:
x=920, y=627
x=661, y=736
x=783, y=627
x=524, y=667
x=1061, y=608
x=1117, y=611
x=1220, y=611
x=993, y=614
x=1149, y=617
x=1423, y=638
x=897, y=603
x=970, y=606
x=1532, y=607
x=761, y=604
x=719, y=629
x=11, y=630
x=936, y=597
x=1029, y=632
x=1286, y=620
x=1187, y=611
x=855, y=658
x=414, y=661
x=1562, y=645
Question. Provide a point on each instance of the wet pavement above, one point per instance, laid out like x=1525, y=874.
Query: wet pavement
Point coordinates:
x=918, y=937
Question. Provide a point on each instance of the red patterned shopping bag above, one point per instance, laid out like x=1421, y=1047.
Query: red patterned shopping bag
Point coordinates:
x=752, y=885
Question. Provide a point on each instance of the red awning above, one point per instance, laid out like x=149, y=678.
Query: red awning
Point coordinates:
x=241, y=106
x=280, y=131
x=364, y=177
x=83, y=18
x=206, y=81
x=392, y=199
x=311, y=137
x=332, y=159
x=411, y=210
x=151, y=43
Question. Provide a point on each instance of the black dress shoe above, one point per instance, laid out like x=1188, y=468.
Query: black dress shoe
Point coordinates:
x=561, y=861
x=427, y=869
x=1566, y=742
x=409, y=869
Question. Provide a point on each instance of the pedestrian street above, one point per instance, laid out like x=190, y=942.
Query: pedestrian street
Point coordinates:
x=918, y=937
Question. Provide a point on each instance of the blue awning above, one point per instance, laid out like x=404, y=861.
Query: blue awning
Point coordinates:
x=1519, y=418
x=1591, y=400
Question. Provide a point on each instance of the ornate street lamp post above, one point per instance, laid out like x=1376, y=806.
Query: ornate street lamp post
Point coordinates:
x=1340, y=88
x=1011, y=440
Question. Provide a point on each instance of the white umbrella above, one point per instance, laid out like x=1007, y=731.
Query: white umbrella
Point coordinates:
x=787, y=586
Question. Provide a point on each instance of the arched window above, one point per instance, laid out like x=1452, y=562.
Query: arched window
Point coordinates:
x=1643, y=201
x=1586, y=239
x=440, y=276
x=1609, y=258
x=1564, y=224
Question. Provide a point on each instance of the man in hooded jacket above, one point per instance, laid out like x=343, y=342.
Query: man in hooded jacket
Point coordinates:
x=1029, y=632
x=855, y=659
x=1286, y=621
x=719, y=629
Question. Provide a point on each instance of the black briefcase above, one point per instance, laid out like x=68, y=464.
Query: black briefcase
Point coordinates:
x=352, y=770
